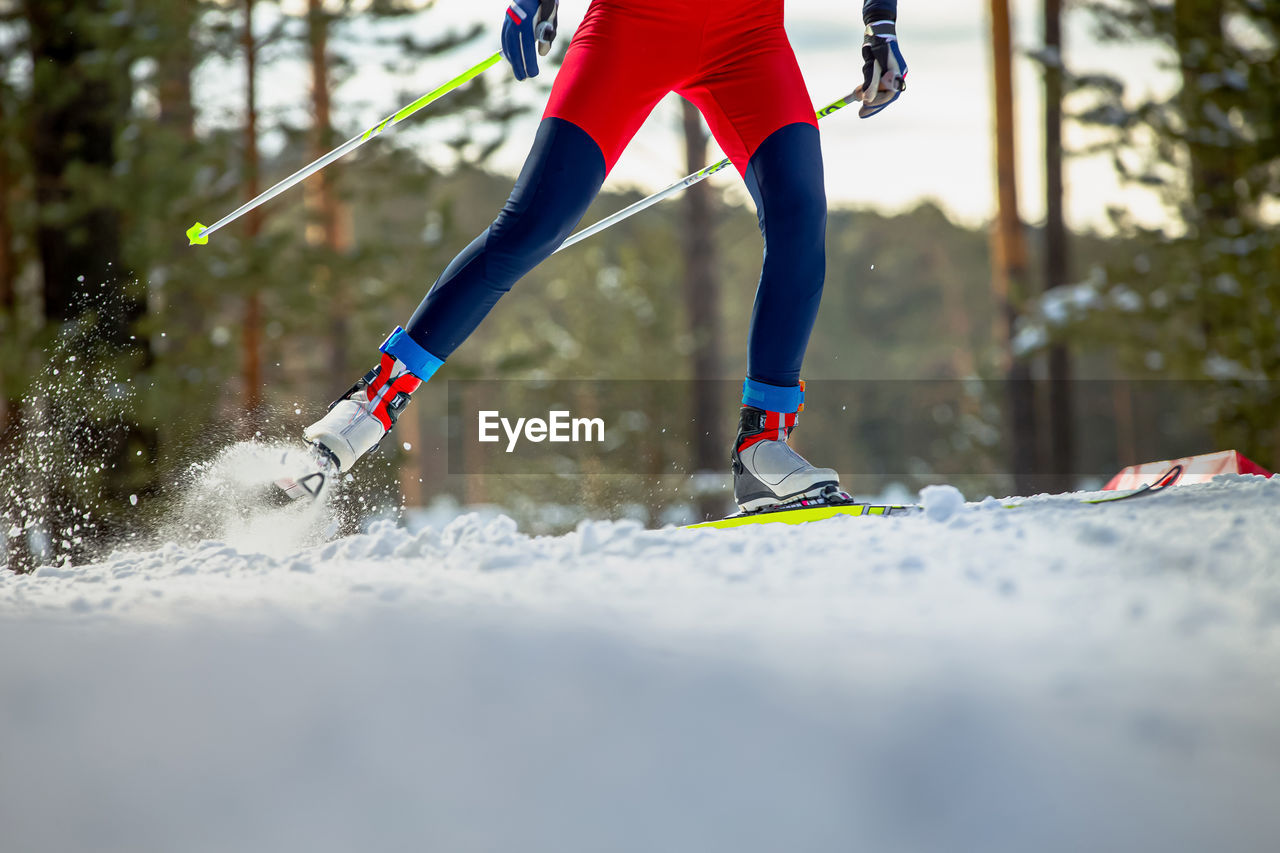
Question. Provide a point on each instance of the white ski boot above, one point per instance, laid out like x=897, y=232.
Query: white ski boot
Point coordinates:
x=358, y=420
x=767, y=473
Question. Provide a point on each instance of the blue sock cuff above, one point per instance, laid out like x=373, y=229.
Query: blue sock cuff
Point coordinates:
x=772, y=398
x=421, y=363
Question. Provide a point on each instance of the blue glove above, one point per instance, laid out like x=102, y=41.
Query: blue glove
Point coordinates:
x=884, y=71
x=528, y=23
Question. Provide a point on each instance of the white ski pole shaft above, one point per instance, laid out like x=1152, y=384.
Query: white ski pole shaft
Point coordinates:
x=198, y=234
x=679, y=186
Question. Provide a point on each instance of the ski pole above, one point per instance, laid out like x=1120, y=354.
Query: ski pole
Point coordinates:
x=198, y=234
x=680, y=185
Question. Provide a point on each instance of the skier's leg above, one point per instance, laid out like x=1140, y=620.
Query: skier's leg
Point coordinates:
x=562, y=175
x=755, y=100
x=614, y=73
x=560, y=178
x=756, y=103
x=785, y=178
x=607, y=85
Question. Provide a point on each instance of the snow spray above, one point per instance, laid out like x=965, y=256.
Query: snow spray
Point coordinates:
x=68, y=478
x=227, y=499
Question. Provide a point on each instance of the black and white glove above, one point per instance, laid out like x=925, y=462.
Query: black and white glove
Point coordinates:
x=529, y=24
x=884, y=71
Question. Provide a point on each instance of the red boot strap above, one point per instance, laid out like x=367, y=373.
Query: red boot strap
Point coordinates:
x=406, y=382
x=777, y=426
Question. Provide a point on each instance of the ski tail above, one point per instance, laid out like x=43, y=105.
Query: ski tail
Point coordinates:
x=308, y=478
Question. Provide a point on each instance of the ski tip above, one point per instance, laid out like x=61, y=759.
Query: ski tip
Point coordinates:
x=197, y=236
x=1169, y=478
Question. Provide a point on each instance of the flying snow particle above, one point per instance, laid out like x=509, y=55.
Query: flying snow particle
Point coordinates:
x=408, y=446
x=133, y=500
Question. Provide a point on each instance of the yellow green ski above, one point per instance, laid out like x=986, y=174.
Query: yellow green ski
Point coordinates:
x=794, y=514
x=801, y=515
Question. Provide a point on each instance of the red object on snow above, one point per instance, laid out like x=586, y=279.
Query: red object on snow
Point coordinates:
x=1195, y=469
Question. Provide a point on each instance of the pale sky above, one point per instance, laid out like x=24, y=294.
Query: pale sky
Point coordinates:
x=935, y=142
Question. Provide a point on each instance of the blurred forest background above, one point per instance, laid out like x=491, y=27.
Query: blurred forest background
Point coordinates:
x=1012, y=359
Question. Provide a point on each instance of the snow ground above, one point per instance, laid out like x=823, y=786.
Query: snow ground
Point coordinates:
x=1056, y=677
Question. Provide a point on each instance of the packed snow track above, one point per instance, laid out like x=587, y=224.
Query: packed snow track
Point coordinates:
x=1059, y=677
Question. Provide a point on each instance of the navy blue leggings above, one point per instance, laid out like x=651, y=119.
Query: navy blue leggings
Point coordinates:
x=562, y=176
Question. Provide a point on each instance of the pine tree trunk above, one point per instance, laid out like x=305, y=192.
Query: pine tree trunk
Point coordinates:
x=328, y=224
x=79, y=98
x=74, y=127
x=175, y=65
x=8, y=275
x=702, y=300
x=8, y=264
x=1010, y=267
x=1061, y=427
x=182, y=308
x=958, y=324
x=252, y=334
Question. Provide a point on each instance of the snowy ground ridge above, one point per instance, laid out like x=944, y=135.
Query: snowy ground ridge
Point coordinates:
x=1055, y=677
